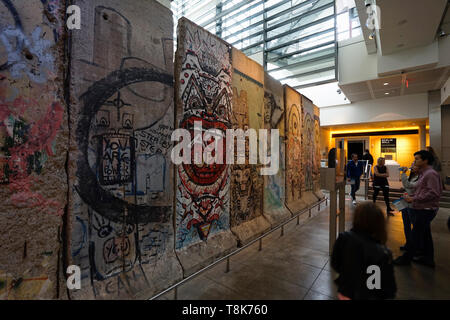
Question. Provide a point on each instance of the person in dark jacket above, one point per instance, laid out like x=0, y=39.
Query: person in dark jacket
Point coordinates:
x=355, y=169
x=358, y=252
x=380, y=182
x=368, y=156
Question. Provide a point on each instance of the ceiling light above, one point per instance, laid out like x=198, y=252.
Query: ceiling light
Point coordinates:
x=386, y=83
x=386, y=93
x=372, y=35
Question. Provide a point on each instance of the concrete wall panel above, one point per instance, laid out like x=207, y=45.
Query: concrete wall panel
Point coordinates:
x=203, y=86
x=33, y=148
x=122, y=113
x=275, y=186
x=247, y=221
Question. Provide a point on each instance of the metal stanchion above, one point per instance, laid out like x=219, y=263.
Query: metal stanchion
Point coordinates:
x=298, y=220
x=282, y=230
x=175, y=293
x=260, y=245
x=228, y=266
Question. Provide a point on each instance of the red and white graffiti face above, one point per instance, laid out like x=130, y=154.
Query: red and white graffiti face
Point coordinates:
x=206, y=97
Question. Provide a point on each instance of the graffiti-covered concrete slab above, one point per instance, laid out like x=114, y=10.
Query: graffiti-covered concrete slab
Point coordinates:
x=247, y=221
x=33, y=148
x=316, y=165
x=203, y=76
x=121, y=192
x=310, y=154
x=295, y=173
x=275, y=185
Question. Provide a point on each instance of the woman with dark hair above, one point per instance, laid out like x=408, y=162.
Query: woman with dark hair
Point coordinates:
x=380, y=182
x=361, y=250
x=409, y=184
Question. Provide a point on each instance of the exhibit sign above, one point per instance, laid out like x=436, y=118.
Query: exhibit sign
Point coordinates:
x=388, y=145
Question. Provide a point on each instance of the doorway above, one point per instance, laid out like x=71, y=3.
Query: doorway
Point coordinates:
x=355, y=147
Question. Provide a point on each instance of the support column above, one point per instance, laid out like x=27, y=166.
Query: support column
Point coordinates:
x=422, y=137
x=434, y=115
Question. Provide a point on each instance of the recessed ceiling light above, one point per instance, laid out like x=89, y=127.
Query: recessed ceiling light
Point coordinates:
x=386, y=83
x=386, y=93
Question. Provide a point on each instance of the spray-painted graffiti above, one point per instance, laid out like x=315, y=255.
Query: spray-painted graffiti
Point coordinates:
x=316, y=162
x=294, y=162
x=205, y=91
x=123, y=222
x=25, y=148
x=308, y=149
x=245, y=181
x=22, y=288
x=274, y=186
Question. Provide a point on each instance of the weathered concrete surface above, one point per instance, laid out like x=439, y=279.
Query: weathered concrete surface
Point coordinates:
x=33, y=149
x=121, y=193
x=275, y=186
x=247, y=221
x=203, y=93
x=316, y=172
x=296, y=199
x=310, y=151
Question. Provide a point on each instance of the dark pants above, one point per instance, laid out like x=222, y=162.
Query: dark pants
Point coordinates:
x=385, y=189
x=421, y=233
x=407, y=227
x=355, y=187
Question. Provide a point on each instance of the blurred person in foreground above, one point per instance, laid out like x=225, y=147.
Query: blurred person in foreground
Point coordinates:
x=360, y=248
x=425, y=205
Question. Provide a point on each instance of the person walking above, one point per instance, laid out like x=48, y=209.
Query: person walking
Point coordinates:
x=367, y=156
x=354, y=171
x=380, y=182
x=425, y=205
x=360, y=248
x=409, y=184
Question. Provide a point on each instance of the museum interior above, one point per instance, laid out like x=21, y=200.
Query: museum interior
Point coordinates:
x=120, y=178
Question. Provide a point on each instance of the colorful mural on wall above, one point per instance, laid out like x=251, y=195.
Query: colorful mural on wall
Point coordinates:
x=33, y=147
x=123, y=188
x=275, y=185
x=247, y=221
x=203, y=75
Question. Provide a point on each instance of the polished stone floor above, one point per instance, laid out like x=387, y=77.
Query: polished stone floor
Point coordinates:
x=296, y=266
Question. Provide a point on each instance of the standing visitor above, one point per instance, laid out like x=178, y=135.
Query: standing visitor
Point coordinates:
x=359, y=248
x=380, y=182
x=409, y=184
x=354, y=171
x=367, y=156
x=425, y=205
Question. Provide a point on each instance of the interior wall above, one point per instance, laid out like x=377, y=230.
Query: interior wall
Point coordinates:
x=407, y=145
x=407, y=107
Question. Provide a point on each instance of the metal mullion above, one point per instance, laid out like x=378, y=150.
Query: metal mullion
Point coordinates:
x=313, y=84
x=279, y=14
x=246, y=38
x=249, y=27
x=253, y=45
x=286, y=44
x=243, y=12
x=233, y=8
x=306, y=73
x=322, y=8
x=241, y=21
x=300, y=51
x=301, y=27
x=297, y=64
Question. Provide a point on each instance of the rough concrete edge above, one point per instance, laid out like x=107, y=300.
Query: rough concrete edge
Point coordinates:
x=250, y=230
x=207, y=257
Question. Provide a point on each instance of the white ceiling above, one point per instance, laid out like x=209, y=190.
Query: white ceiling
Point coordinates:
x=409, y=23
x=398, y=85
